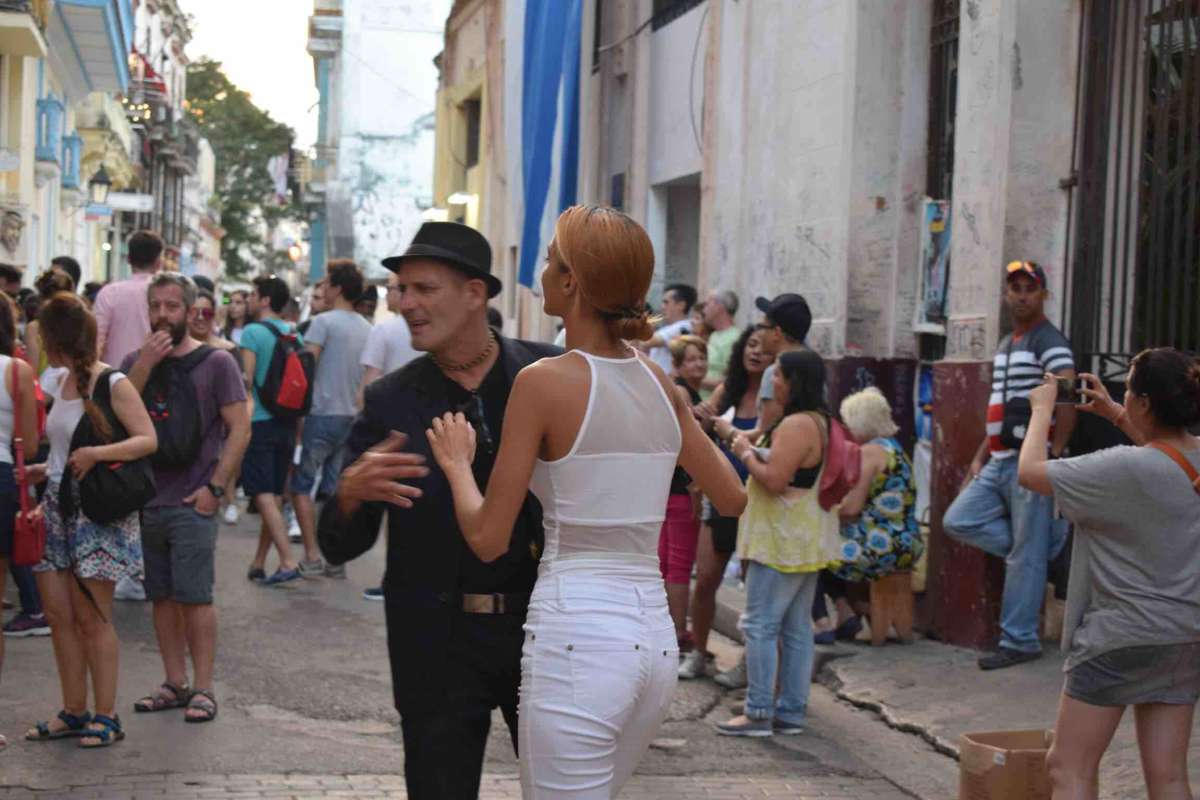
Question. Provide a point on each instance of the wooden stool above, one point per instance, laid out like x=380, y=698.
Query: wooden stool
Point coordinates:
x=892, y=605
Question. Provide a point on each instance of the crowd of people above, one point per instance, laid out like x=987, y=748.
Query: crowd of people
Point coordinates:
x=592, y=498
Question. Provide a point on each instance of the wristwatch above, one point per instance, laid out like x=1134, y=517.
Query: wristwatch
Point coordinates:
x=217, y=491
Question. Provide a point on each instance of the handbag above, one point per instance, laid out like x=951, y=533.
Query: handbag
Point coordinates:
x=29, y=527
x=1017, y=410
x=111, y=490
x=1178, y=458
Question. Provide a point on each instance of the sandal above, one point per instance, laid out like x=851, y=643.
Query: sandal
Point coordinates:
x=161, y=701
x=75, y=725
x=108, y=733
x=203, y=701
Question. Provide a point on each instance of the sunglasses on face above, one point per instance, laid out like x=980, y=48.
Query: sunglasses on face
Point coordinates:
x=205, y=313
x=472, y=409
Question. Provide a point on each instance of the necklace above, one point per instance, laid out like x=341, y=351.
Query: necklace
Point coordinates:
x=474, y=362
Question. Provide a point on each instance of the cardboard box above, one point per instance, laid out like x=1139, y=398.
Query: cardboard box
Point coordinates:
x=1004, y=765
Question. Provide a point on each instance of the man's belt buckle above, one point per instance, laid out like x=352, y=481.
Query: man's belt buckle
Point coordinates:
x=483, y=603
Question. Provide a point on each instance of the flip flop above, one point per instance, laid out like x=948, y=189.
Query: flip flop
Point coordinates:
x=161, y=702
x=109, y=734
x=75, y=724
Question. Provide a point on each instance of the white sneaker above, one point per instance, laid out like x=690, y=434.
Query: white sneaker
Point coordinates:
x=231, y=514
x=129, y=589
x=294, y=532
x=695, y=665
x=241, y=493
x=733, y=678
x=289, y=516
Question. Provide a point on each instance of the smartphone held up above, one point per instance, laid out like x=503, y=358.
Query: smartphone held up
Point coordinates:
x=1070, y=391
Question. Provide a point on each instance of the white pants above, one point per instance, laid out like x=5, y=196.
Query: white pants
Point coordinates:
x=597, y=674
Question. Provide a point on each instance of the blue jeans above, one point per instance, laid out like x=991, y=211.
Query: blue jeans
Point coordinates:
x=323, y=438
x=778, y=607
x=997, y=515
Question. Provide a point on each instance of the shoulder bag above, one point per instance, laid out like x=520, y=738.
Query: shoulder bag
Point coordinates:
x=29, y=528
x=1181, y=460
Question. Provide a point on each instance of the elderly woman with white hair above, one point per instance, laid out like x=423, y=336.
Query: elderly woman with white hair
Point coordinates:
x=879, y=523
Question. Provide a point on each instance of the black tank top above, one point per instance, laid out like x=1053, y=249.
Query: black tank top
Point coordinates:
x=680, y=480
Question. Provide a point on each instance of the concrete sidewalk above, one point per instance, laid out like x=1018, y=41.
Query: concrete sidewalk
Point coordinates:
x=937, y=692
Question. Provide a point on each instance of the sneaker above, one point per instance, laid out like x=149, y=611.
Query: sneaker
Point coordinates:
x=129, y=589
x=745, y=726
x=281, y=577
x=312, y=569
x=695, y=665
x=335, y=571
x=294, y=532
x=256, y=574
x=231, y=514
x=374, y=593
x=733, y=678
x=23, y=625
x=787, y=728
x=1007, y=657
x=241, y=493
x=289, y=517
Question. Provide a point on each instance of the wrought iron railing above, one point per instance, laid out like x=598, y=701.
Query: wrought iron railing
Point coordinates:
x=943, y=94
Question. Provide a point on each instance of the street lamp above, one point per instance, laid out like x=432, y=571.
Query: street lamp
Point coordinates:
x=99, y=185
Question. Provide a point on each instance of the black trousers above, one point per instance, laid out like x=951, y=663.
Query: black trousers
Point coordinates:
x=443, y=749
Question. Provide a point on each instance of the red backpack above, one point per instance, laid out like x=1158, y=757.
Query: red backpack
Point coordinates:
x=843, y=466
x=287, y=389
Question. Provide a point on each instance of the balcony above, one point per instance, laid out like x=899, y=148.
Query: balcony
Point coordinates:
x=325, y=29
x=22, y=27
x=72, y=154
x=89, y=43
x=49, y=129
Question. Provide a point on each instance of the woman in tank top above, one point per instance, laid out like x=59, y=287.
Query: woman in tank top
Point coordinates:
x=596, y=433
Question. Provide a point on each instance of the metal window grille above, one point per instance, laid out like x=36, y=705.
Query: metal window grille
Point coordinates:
x=1135, y=270
x=943, y=93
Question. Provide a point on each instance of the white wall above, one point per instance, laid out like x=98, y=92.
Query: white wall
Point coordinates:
x=676, y=97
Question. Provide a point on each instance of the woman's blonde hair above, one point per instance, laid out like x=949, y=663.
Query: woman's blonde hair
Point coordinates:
x=868, y=415
x=679, y=345
x=613, y=260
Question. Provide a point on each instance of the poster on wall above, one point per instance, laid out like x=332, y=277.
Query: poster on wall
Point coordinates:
x=934, y=269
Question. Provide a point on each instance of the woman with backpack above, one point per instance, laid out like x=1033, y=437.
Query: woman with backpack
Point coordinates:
x=787, y=538
x=83, y=560
x=1132, y=626
x=17, y=377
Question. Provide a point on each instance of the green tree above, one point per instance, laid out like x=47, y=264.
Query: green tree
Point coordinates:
x=243, y=137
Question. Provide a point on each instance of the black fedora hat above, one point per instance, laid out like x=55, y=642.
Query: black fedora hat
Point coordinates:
x=456, y=245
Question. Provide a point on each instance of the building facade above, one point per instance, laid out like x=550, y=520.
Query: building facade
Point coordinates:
x=372, y=171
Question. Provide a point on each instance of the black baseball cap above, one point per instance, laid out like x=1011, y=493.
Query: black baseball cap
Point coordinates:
x=790, y=312
x=1028, y=268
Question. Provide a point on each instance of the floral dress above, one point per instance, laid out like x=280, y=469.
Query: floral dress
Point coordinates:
x=885, y=537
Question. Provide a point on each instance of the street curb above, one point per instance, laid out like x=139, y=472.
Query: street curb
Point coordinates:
x=730, y=603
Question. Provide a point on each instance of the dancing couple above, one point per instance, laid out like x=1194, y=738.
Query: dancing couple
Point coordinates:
x=549, y=583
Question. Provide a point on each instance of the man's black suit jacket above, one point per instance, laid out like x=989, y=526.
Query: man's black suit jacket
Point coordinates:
x=425, y=544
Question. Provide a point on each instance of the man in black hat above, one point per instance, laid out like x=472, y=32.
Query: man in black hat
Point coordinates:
x=786, y=321
x=454, y=622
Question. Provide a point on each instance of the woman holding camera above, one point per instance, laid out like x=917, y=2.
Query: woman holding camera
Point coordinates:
x=1132, y=627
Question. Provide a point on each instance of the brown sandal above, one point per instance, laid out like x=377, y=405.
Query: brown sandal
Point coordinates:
x=161, y=701
x=205, y=702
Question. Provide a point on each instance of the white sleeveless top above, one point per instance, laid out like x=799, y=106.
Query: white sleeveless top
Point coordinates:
x=6, y=414
x=608, y=495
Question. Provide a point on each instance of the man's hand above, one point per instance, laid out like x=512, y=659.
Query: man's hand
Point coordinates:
x=203, y=501
x=972, y=473
x=157, y=347
x=376, y=475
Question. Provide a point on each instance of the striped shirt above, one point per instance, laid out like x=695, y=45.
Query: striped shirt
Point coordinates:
x=1025, y=360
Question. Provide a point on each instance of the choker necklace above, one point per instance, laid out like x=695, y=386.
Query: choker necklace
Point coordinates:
x=474, y=362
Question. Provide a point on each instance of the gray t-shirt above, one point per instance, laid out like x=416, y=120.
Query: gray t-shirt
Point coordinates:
x=766, y=390
x=342, y=335
x=1135, y=568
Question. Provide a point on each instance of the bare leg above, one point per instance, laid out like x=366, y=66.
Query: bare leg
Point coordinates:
x=1163, y=733
x=169, y=626
x=677, y=603
x=99, y=640
x=55, y=588
x=1082, y=734
x=306, y=516
x=200, y=622
x=710, y=568
x=273, y=532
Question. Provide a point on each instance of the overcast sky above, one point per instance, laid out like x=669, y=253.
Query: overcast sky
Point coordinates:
x=262, y=45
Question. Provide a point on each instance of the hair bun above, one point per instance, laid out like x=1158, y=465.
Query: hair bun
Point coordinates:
x=635, y=328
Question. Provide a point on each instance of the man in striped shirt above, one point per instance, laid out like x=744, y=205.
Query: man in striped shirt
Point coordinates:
x=993, y=512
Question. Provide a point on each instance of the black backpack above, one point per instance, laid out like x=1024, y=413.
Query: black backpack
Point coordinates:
x=174, y=407
x=112, y=489
x=288, y=388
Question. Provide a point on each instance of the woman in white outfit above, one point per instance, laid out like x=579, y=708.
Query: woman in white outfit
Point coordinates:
x=596, y=434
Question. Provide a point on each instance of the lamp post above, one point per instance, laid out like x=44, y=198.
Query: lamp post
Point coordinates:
x=98, y=186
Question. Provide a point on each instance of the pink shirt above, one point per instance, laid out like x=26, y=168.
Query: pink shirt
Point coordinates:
x=123, y=317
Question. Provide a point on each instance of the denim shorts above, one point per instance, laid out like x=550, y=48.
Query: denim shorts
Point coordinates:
x=323, y=439
x=268, y=457
x=1131, y=676
x=179, y=547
